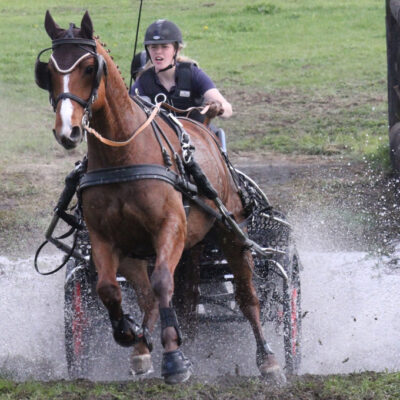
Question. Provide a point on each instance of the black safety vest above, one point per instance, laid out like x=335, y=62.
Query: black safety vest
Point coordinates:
x=182, y=96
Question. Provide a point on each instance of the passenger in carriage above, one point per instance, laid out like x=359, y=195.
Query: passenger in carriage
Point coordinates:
x=182, y=82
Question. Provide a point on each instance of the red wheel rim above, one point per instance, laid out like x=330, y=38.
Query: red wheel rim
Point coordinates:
x=78, y=320
x=293, y=318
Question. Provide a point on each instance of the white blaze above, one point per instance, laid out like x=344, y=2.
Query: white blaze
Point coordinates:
x=66, y=110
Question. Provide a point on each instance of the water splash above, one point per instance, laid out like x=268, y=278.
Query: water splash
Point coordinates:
x=352, y=316
x=351, y=321
x=31, y=315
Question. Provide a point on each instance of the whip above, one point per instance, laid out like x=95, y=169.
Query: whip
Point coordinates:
x=136, y=38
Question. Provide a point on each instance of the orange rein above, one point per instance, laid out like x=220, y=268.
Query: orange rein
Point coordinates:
x=114, y=143
x=141, y=128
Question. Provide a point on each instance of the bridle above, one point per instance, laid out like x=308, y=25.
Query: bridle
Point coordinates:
x=42, y=78
x=42, y=73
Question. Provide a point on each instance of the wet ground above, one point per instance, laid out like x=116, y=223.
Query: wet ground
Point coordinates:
x=350, y=285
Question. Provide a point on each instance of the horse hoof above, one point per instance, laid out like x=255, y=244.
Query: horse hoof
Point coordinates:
x=126, y=332
x=272, y=372
x=141, y=364
x=274, y=376
x=175, y=367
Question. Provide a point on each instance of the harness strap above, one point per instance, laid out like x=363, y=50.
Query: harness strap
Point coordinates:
x=128, y=173
x=166, y=106
x=166, y=156
x=71, y=96
x=74, y=40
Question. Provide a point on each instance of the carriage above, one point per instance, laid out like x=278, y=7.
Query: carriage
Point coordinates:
x=167, y=210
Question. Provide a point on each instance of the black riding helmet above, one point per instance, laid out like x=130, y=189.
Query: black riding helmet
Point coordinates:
x=162, y=31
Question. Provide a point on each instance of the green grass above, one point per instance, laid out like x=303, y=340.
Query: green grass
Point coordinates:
x=312, y=43
x=365, y=386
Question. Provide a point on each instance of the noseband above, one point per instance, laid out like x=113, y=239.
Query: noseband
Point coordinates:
x=42, y=73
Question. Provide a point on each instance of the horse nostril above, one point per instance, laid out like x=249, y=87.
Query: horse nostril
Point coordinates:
x=76, y=133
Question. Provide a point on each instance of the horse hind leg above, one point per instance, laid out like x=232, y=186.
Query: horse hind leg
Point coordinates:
x=186, y=293
x=241, y=262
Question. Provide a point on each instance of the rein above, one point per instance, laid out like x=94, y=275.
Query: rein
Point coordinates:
x=156, y=110
x=202, y=109
x=114, y=143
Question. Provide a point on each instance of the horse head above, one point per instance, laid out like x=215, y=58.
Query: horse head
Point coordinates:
x=73, y=76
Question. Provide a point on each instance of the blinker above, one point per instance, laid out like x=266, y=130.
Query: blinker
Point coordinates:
x=65, y=62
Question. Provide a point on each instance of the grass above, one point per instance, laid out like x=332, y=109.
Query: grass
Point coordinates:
x=326, y=52
x=364, y=386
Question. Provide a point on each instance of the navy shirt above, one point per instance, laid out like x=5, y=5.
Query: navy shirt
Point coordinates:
x=201, y=82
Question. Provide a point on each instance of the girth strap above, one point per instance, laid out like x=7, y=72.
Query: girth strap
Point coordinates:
x=128, y=173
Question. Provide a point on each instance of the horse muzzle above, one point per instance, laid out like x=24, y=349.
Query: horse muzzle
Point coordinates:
x=70, y=140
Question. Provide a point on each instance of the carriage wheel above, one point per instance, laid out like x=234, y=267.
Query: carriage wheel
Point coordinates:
x=280, y=301
x=292, y=314
x=79, y=305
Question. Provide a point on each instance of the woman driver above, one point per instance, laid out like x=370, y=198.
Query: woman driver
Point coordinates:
x=183, y=83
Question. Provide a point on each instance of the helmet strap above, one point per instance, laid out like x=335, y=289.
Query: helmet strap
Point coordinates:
x=167, y=68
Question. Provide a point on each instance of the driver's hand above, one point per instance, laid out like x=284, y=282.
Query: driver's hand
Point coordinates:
x=215, y=109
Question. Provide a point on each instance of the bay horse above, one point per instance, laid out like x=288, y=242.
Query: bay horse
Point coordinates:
x=130, y=219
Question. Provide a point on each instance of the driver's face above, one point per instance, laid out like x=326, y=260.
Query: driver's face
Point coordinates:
x=162, y=55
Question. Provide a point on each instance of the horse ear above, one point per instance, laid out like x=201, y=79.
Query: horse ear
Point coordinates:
x=51, y=27
x=87, y=26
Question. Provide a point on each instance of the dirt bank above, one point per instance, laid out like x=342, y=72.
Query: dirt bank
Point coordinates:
x=335, y=191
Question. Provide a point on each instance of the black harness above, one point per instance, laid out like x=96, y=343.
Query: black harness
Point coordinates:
x=137, y=172
x=186, y=165
x=182, y=96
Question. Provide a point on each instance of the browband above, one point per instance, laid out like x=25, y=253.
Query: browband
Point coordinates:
x=66, y=71
x=87, y=42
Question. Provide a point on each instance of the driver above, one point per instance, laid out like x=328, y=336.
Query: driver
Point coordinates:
x=182, y=82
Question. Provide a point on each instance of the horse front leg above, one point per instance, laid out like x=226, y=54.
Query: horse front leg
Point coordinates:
x=241, y=262
x=106, y=260
x=169, y=245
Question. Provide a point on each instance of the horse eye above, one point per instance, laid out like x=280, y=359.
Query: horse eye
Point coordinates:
x=89, y=70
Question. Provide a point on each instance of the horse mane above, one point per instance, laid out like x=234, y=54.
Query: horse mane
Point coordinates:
x=107, y=51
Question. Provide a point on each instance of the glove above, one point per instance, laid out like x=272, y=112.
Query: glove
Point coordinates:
x=215, y=109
